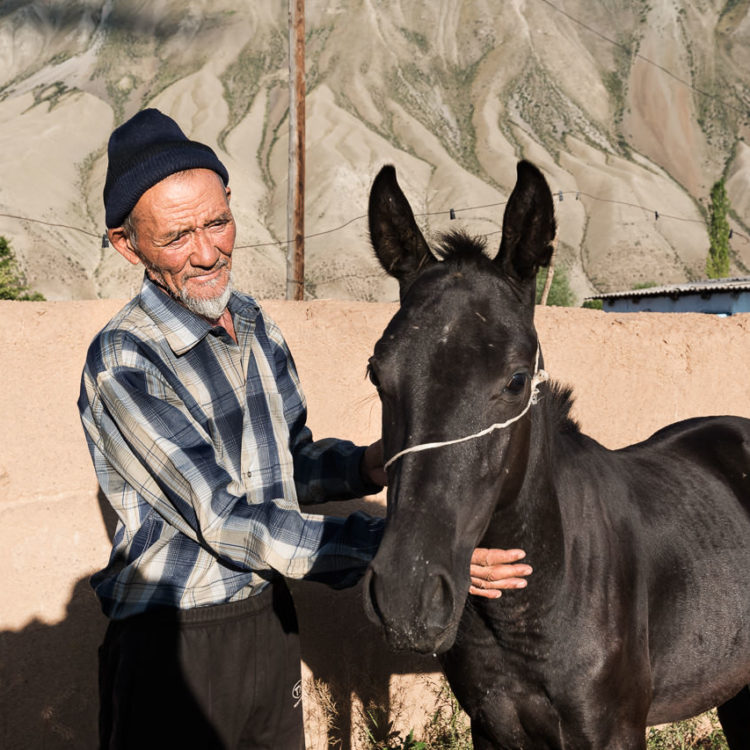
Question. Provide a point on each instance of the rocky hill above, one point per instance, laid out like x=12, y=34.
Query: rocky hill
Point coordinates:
x=630, y=107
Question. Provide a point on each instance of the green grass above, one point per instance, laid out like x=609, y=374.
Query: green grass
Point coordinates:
x=447, y=728
x=701, y=731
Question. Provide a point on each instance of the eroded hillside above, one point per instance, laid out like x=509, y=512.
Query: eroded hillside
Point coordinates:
x=630, y=108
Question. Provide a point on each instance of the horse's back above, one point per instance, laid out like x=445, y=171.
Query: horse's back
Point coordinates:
x=697, y=453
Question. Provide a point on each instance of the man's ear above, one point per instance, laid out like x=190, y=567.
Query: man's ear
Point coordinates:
x=120, y=240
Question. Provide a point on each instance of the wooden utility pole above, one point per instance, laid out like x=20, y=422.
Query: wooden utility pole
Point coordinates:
x=295, y=259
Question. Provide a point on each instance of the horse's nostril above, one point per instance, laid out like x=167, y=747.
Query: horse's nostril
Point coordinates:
x=438, y=599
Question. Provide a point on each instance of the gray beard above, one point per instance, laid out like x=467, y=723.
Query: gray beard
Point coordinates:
x=211, y=307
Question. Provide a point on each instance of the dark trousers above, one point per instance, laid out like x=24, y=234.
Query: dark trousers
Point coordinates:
x=213, y=678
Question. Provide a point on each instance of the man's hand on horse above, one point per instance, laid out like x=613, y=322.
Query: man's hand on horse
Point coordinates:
x=491, y=569
x=371, y=465
x=496, y=569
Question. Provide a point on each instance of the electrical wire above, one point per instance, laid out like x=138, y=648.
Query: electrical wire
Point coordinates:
x=445, y=212
x=645, y=59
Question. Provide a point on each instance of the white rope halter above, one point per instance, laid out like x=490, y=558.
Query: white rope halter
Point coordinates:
x=539, y=377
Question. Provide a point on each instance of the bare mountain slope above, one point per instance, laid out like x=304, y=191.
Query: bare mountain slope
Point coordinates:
x=629, y=107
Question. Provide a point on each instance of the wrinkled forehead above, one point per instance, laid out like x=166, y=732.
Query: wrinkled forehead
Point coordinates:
x=183, y=192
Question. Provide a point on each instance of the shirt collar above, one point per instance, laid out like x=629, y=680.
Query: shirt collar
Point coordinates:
x=181, y=328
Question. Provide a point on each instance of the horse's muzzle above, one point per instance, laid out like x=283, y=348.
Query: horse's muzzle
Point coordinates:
x=417, y=614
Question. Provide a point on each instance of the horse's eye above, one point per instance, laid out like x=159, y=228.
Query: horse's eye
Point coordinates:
x=517, y=383
x=373, y=375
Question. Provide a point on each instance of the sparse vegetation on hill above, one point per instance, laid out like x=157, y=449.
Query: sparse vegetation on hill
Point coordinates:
x=717, y=263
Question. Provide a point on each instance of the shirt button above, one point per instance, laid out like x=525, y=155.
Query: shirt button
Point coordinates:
x=248, y=474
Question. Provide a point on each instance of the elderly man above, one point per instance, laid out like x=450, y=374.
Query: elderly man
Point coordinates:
x=195, y=421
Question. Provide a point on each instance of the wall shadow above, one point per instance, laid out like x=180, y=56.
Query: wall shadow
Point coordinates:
x=49, y=696
x=49, y=673
x=48, y=678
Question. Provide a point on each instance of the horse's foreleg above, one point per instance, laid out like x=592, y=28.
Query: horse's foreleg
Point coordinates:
x=479, y=740
x=734, y=716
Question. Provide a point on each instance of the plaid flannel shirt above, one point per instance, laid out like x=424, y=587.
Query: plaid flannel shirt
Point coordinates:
x=200, y=445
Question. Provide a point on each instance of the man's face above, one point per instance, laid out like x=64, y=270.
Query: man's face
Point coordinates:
x=184, y=235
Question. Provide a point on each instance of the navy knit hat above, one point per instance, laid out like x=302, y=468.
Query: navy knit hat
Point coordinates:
x=143, y=151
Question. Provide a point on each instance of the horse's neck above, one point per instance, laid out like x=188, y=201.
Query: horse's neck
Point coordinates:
x=530, y=516
x=563, y=492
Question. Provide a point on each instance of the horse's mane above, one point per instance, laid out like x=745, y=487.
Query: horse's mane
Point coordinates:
x=557, y=399
x=457, y=244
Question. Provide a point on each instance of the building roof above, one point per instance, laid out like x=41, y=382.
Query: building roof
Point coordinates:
x=706, y=287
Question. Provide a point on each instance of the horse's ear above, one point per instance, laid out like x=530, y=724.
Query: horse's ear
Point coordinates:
x=529, y=226
x=399, y=245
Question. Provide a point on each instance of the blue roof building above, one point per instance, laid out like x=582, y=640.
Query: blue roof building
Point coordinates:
x=716, y=296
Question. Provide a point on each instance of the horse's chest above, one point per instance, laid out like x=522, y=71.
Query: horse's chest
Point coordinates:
x=504, y=692
x=533, y=688
x=539, y=709
x=518, y=720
